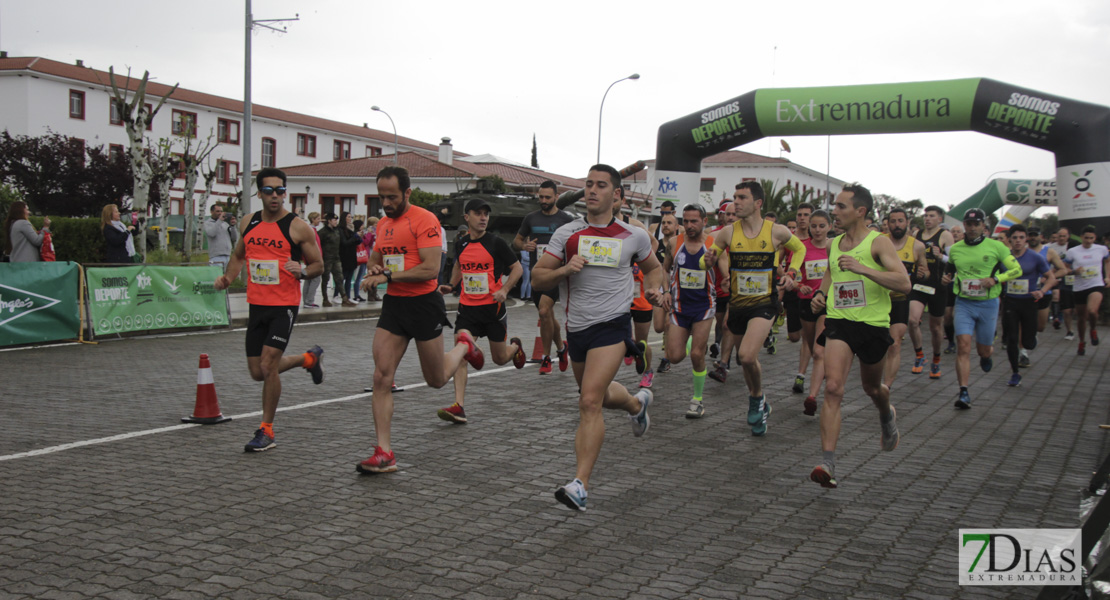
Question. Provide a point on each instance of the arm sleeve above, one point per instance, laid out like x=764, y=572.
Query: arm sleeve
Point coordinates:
x=28, y=231
x=1013, y=268
x=798, y=253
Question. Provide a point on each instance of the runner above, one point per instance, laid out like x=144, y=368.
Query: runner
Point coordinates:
x=1090, y=263
x=1023, y=294
x=723, y=340
x=1067, y=291
x=928, y=293
x=747, y=250
x=691, y=298
x=912, y=254
x=406, y=257
x=534, y=233
x=979, y=265
x=641, y=310
x=950, y=298
x=481, y=261
x=1055, y=311
x=793, y=305
x=272, y=243
x=813, y=323
x=669, y=227
x=1044, y=305
x=863, y=269
x=592, y=258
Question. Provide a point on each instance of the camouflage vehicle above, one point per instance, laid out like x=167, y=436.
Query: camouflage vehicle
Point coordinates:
x=507, y=211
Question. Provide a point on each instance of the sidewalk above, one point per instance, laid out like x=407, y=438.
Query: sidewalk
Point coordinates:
x=240, y=310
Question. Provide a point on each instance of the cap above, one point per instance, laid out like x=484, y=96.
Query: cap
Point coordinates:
x=975, y=214
x=330, y=216
x=724, y=206
x=1034, y=231
x=476, y=204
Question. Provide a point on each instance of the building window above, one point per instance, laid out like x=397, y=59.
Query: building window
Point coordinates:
x=708, y=183
x=341, y=150
x=114, y=116
x=184, y=123
x=306, y=144
x=373, y=151
x=227, y=171
x=748, y=179
x=76, y=104
x=373, y=206
x=298, y=202
x=115, y=152
x=269, y=152
x=227, y=131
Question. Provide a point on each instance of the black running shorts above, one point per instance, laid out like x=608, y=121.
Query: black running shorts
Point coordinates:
x=484, y=320
x=738, y=317
x=642, y=316
x=868, y=342
x=805, y=310
x=420, y=318
x=269, y=326
x=899, y=312
x=934, y=303
x=793, y=319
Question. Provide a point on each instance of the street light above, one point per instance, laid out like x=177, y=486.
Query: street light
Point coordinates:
x=999, y=173
x=379, y=109
x=602, y=110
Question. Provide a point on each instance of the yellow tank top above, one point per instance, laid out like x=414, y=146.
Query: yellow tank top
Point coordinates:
x=855, y=297
x=751, y=267
x=905, y=254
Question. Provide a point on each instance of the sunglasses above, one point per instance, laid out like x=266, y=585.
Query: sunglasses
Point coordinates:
x=280, y=191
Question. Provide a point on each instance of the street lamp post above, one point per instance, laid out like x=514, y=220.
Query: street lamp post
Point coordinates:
x=991, y=176
x=601, y=111
x=395, y=150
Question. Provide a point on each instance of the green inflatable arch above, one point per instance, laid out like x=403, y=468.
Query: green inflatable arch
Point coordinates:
x=1077, y=133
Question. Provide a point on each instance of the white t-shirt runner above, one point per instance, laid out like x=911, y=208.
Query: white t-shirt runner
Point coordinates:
x=1087, y=266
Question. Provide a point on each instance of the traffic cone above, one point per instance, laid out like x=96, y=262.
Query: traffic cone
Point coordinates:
x=207, y=409
x=537, y=348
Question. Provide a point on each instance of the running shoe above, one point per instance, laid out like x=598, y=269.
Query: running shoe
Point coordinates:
x=768, y=340
x=1069, y=336
x=772, y=349
x=381, y=462
x=757, y=410
x=720, y=373
x=645, y=381
x=1015, y=380
x=823, y=474
x=627, y=361
x=714, y=350
x=1023, y=361
x=1094, y=337
x=453, y=413
x=918, y=365
x=1056, y=322
x=260, y=443
x=696, y=410
x=573, y=495
x=311, y=305
x=934, y=371
x=640, y=420
x=664, y=366
x=951, y=349
x=986, y=363
x=317, y=370
x=474, y=354
x=964, y=401
x=1082, y=349
x=779, y=320
x=799, y=384
x=519, y=358
x=809, y=407
x=889, y=439
x=564, y=357
x=643, y=359
x=545, y=365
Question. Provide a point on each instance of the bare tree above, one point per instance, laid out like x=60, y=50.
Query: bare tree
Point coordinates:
x=191, y=160
x=209, y=174
x=163, y=163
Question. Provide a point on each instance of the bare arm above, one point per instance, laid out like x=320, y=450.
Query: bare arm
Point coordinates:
x=235, y=262
x=548, y=272
x=305, y=237
x=922, y=265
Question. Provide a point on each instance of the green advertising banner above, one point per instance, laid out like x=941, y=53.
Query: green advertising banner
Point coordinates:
x=139, y=298
x=38, y=302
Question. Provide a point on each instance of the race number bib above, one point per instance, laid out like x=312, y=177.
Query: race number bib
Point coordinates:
x=1088, y=272
x=925, y=289
x=973, y=288
x=1069, y=279
x=540, y=249
x=475, y=284
x=265, y=272
x=600, y=251
x=849, y=294
x=691, y=279
x=752, y=283
x=394, y=262
x=635, y=289
x=815, y=269
x=1018, y=287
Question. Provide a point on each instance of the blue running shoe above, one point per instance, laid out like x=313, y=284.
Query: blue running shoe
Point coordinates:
x=1015, y=380
x=964, y=401
x=641, y=421
x=986, y=363
x=260, y=443
x=317, y=370
x=760, y=428
x=756, y=408
x=573, y=495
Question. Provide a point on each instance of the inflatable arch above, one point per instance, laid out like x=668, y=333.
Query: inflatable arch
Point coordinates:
x=1020, y=197
x=1077, y=133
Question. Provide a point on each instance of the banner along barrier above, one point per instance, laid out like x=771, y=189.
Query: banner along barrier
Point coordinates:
x=39, y=302
x=141, y=298
x=1077, y=133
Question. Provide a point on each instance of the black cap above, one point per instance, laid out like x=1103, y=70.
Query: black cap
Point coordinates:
x=476, y=204
x=1034, y=231
x=975, y=214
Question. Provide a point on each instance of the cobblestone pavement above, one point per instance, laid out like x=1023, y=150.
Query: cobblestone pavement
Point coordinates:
x=694, y=509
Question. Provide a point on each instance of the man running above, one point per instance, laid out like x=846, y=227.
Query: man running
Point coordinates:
x=691, y=298
x=592, y=257
x=863, y=270
x=1044, y=306
x=480, y=263
x=642, y=310
x=979, y=265
x=747, y=250
x=912, y=254
x=669, y=227
x=928, y=293
x=272, y=243
x=950, y=301
x=406, y=257
x=1023, y=294
x=1059, y=244
x=1090, y=264
x=532, y=237
x=722, y=339
x=793, y=305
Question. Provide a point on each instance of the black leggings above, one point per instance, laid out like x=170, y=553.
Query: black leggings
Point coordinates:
x=1019, y=315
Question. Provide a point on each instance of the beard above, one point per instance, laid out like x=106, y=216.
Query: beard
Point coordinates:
x=547, y=207
x=396, y=211
x=897, y=233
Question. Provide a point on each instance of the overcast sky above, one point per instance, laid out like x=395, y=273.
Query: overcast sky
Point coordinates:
x=490, y=74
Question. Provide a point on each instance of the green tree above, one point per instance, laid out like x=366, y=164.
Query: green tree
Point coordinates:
x=535, y=157
x=423, y=199
x=61, y=175
x=777, y=200
x=492, y=183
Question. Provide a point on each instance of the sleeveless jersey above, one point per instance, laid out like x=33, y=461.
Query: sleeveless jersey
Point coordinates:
x=814, y=267
x=751, y=267
x=693, y=288
x=399, y=242
x=933, y=252
x=482, y=263
x=268, y=247
x=852, y=296
x=639, y=302
x=905, y=254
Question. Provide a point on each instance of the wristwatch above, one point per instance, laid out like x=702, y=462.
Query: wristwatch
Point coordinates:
x=388, y=275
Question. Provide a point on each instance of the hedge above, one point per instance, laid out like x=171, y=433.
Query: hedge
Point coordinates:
x=76, y=239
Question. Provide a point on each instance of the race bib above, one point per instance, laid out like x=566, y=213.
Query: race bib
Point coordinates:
x=635, y=289
x=600, y=251
x=540, y=249
x=691, y=279
x=265, y=272
x=752, y=283
x=1088, y=272
x=394, y=262
x=815, y=269
x=1018, y=287
x=1069, y=279
x=972, y=288
x=849, y=294
x=475, y=284
x=925, y=289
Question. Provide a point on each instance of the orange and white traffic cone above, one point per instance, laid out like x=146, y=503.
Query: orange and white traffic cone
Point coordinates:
x=207, y=408
x=537, y=348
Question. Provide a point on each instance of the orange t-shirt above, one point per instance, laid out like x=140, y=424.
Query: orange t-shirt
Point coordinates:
x=399, y=242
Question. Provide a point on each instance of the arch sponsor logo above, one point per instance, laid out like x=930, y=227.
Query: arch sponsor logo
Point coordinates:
x=16, y=303
x=1007, y=557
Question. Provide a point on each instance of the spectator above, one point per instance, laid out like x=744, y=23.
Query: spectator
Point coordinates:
x=121, y=246
x=348, y=253
x=21, y=240
x=331, y=239
x=311, y=285
x=368, y=238
x=222, y=234
x=360, y=267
